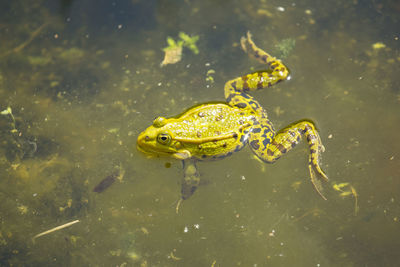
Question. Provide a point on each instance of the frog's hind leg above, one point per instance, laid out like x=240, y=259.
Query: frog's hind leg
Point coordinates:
x=236, y=90
x=270, y=148
x=278, y=71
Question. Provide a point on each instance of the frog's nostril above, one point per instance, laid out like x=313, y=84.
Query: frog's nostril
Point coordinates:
x=146, y=138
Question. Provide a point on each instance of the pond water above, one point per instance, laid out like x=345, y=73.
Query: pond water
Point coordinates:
x=79, y=80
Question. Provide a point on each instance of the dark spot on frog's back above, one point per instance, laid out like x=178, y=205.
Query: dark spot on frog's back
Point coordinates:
x=241, y=105
x=219, y=117
x=266, y=141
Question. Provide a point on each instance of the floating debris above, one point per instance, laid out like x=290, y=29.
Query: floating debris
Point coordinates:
x=172, y=55
x=172, y=255
x=209, y=76
x=22, y=209
x=343, y=193
x=378, y=45
x=8, y=111
x=55, y=229
x=105, y=183
x=144, y=230
x=173, y=52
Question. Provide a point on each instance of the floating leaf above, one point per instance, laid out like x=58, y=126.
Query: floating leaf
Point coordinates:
x=172, y=55
x=173, y=52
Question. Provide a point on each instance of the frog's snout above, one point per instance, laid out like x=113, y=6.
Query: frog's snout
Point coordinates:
x=142, y=138
x=141, y=141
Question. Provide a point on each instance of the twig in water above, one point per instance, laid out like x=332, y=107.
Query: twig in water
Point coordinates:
x=27, y=42
x=354, y=192
x=55, y=229
x=178, y=205
x=314, y=212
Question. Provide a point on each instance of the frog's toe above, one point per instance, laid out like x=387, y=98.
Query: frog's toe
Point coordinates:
x=243, y=43
x=322, y=148
x=317, y=175
x=321, y=173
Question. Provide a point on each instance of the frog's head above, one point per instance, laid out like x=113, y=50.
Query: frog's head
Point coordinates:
x=158, y=140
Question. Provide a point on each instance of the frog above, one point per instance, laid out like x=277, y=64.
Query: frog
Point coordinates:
x=215, y=130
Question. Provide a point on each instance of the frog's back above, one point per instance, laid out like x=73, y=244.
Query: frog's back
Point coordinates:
x=212, y=130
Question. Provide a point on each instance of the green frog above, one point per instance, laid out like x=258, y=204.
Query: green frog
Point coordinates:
x=216, y=130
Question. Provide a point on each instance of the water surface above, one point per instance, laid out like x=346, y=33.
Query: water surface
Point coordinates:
x=81, y=79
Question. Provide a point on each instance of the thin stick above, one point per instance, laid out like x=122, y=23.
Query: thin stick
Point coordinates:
x=315, y=211
x=55, y=229
x=178, y=205
x=354, y=192
x=27, y=42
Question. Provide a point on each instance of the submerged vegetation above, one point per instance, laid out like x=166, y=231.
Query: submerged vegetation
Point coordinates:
x=285, y=47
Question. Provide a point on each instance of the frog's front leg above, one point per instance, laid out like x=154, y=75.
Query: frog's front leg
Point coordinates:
x=270, y=148
x=191, y=178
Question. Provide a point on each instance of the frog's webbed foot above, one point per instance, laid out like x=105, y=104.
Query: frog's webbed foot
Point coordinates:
x=248, y=46
x=191, y=178
x=278, y=69
x=317, y=175
x=270, y=148
x=316, y=148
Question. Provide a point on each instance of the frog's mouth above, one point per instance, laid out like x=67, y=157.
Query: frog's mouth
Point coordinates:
x=152, y=153
x=145, y=144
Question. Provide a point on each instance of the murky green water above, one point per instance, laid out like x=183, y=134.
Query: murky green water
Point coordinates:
x=81, y=79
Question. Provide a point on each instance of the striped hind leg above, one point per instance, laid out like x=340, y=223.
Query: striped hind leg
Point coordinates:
x=270, y=148
x=236, y=90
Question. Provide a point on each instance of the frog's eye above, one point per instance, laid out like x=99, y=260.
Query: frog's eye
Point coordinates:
x=164, y=138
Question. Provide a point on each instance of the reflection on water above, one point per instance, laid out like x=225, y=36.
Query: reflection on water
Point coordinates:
x=80, y=80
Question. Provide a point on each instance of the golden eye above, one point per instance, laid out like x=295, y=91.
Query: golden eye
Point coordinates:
x=164, y=138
